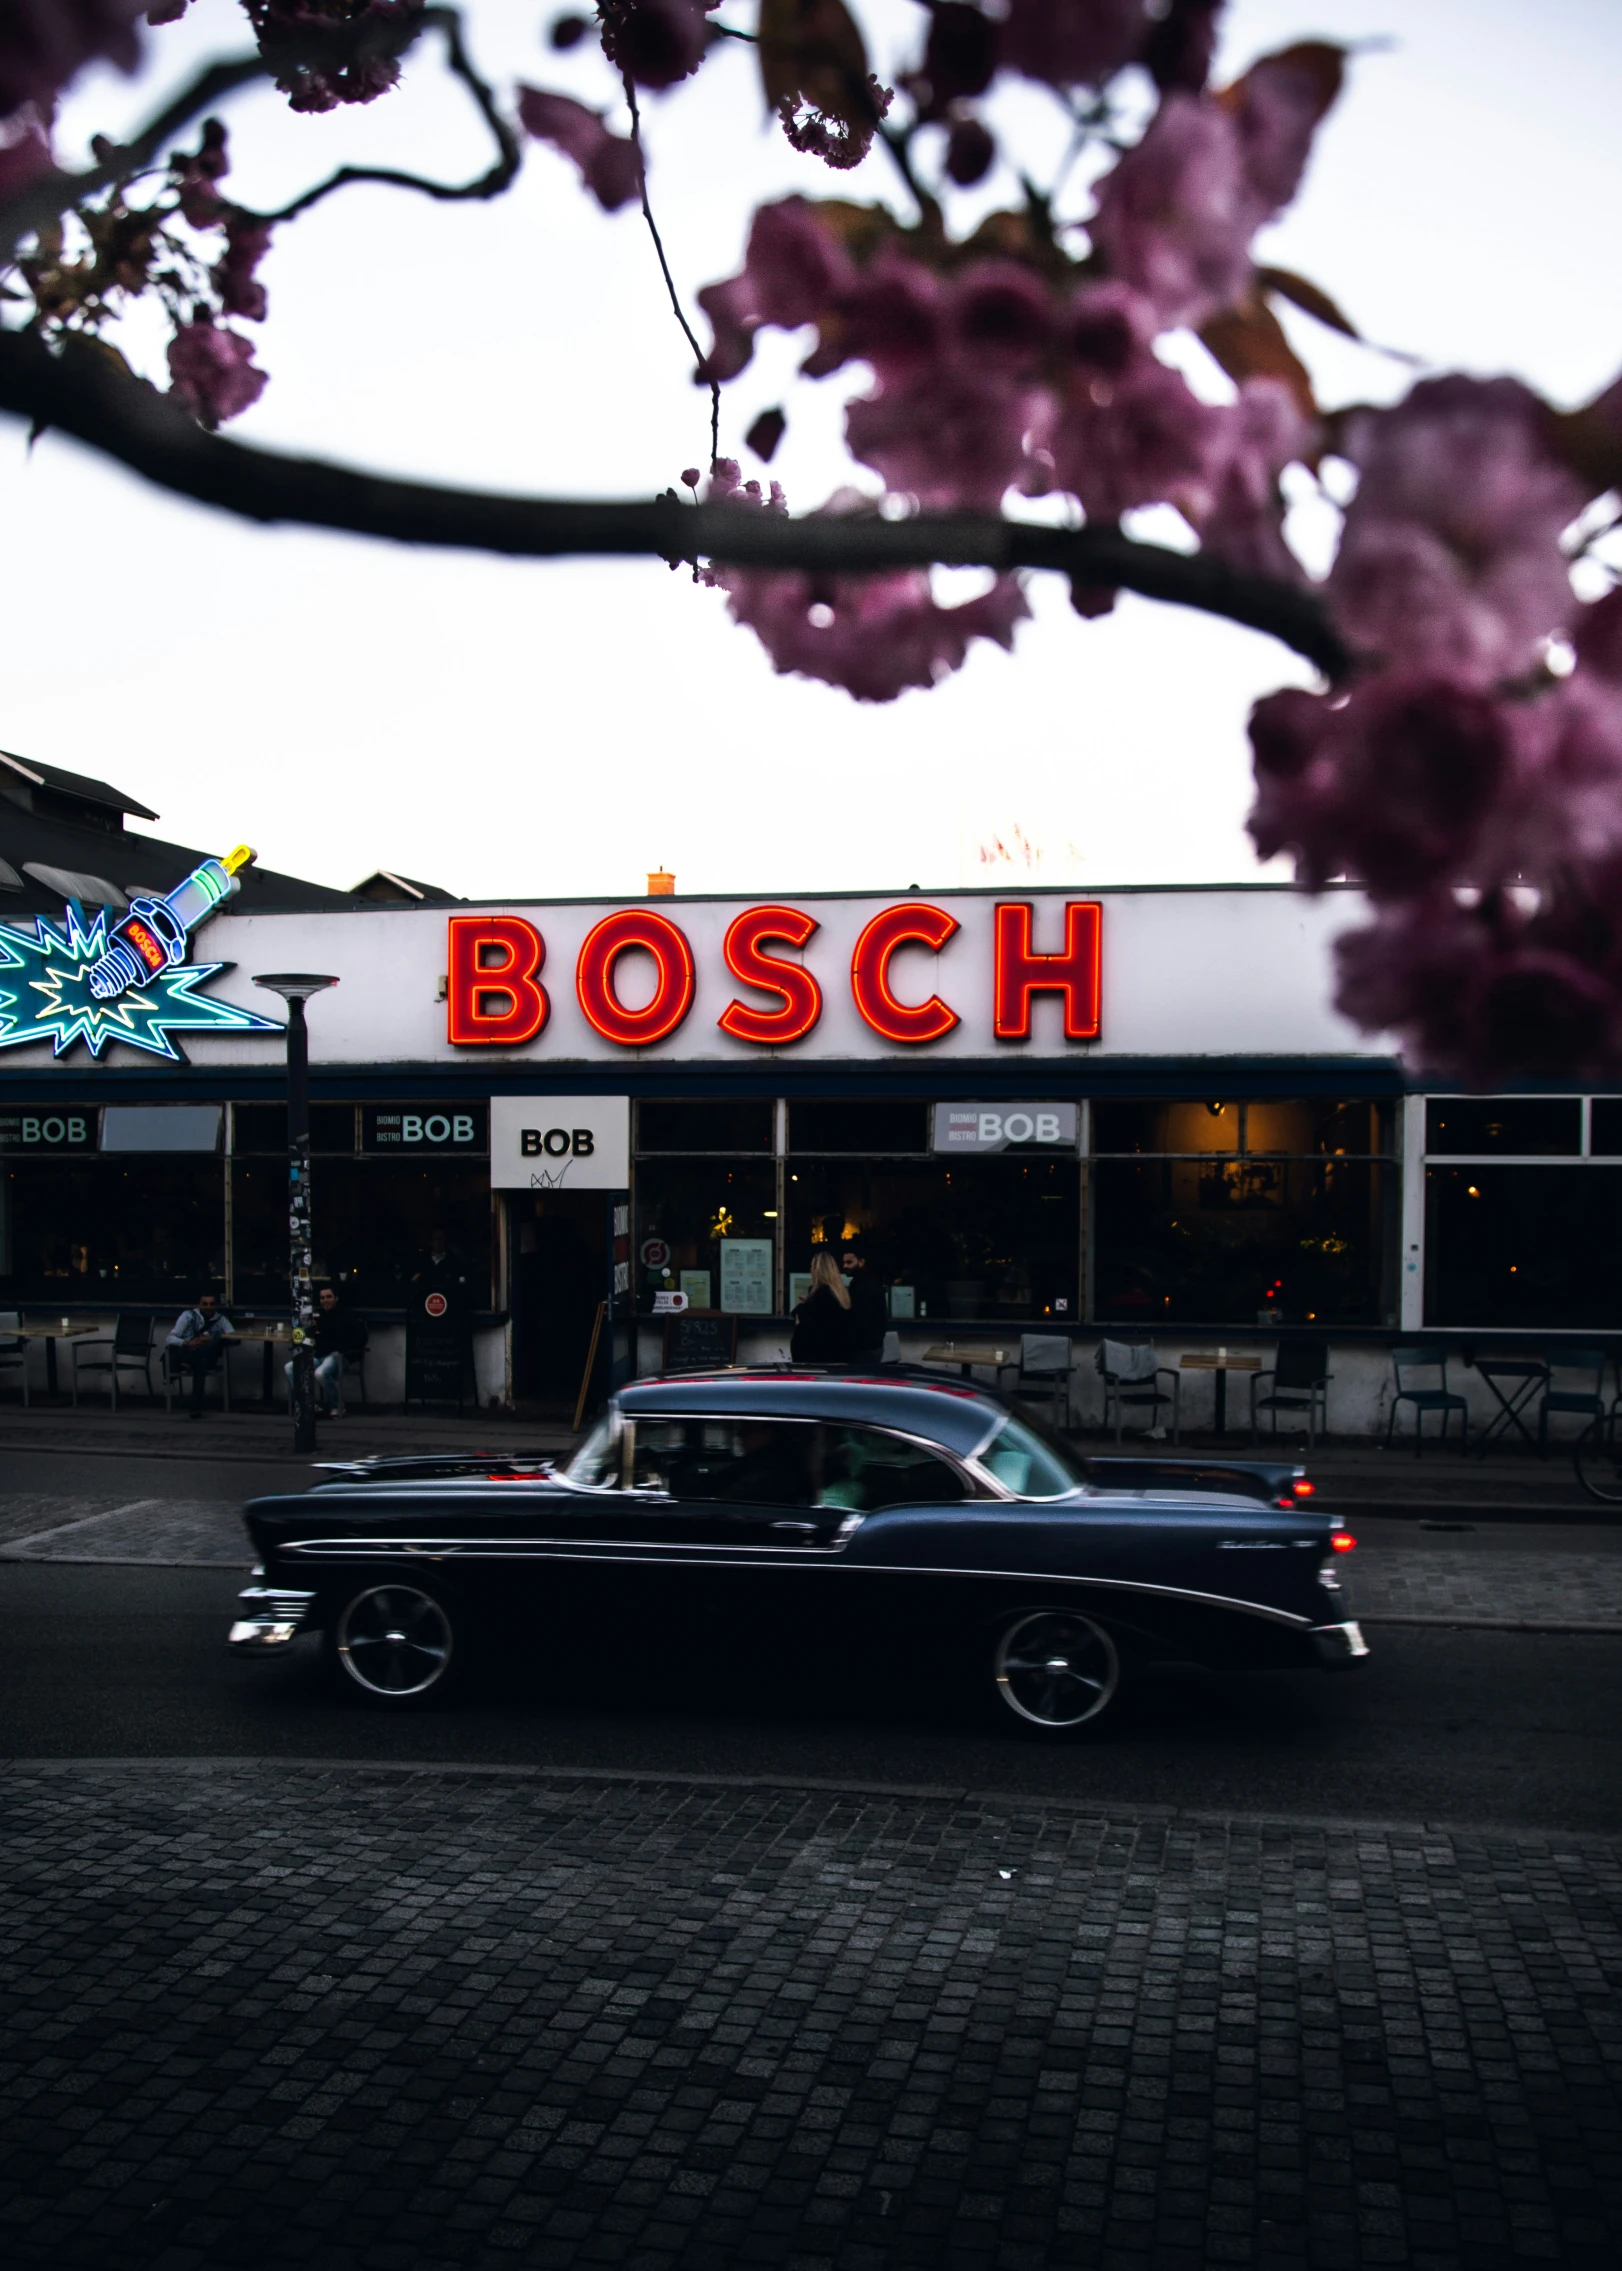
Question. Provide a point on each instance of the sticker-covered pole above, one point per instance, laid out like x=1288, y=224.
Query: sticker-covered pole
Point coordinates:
x=295, y=988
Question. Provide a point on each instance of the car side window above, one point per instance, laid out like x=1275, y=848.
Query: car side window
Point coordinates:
x=864, y=1470
x=735, y=1461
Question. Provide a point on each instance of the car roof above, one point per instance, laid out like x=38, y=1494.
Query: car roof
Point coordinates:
x=948, y=1412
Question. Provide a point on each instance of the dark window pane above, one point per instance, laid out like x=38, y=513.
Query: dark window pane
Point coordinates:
x=1533, y=1246
x=1605, y=1128
x=372, y=1222
x=864, y=1469
x=1474, y=1126
x=995, y=1238
x=262, y=1128
x=723, y=1123
x=1213, y=1242
x=690, y=1211
x=857, y=1124
x=1314, y=1127
x=122, y=1228
x=737, y=1462
x=1197, y=1126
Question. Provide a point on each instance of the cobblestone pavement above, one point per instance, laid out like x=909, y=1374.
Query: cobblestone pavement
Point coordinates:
x=383, y=2020
x=35, y=1526
x=1555, y=1588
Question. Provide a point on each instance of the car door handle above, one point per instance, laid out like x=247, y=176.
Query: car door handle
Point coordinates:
x=797, y=1529
x=1251, y=1545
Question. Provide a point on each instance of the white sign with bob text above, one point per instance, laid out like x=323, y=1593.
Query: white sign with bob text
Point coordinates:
x=560, y=1143
x=1005, y=1127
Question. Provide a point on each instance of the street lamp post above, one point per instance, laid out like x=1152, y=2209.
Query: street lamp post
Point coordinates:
x=295, y=988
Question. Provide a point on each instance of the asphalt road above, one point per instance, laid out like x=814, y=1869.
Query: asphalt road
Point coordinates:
x=1474, y=1727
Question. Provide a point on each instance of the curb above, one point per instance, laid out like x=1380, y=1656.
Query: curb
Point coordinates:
x=1496, y=1624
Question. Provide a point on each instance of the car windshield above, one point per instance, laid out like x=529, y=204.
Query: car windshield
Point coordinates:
x=1029, y=1464
x=595, y=1465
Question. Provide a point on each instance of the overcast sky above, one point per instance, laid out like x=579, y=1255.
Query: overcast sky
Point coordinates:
x=527, y=729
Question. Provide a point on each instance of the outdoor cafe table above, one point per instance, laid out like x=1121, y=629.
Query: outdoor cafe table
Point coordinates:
x=271, y=1336
x=50, y=1334
x=1525, y=1375
x=1221, y=1363
x=967, y=1354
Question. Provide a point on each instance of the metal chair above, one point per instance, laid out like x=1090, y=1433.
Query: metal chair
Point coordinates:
x=355, y=1367
x=1300, y=1375
x=1581, y=1364
x=1408, y=1362
x=1137, y=1384
x=176, y=1379
x=13, y=1348
x=130, y=1346
x=1044, y=1373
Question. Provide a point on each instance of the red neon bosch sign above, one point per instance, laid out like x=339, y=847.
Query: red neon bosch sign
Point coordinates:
x=877, y=1004
x=493, y=994
x=798, y=994
x=636, y=927
x=1074, y=971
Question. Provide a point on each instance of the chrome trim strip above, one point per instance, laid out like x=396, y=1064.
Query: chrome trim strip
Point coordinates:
x=771, y=1557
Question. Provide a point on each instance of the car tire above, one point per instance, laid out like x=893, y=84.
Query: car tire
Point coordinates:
x=395, y=1646
x=1056, y=1673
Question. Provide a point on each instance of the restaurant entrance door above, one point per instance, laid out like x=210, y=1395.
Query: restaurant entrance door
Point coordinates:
x=558, y=1281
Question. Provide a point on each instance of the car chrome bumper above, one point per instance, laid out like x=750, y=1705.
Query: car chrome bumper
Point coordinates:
x=1339, y=1644
x=269, y=1616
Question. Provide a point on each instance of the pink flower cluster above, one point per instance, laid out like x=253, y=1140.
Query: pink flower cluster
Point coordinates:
x=1474, y=791
x=606, y=162
x=360, y=38
x=213, y=371
x=875, y=636
x=656, y=42
x=45, y=43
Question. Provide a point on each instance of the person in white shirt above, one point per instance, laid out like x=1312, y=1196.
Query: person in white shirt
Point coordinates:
x=197, y=1344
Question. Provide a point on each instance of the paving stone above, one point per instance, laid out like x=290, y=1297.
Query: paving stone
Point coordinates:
x=683, y=2025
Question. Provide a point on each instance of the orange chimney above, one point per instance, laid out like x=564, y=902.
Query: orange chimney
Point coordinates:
x=661, y=884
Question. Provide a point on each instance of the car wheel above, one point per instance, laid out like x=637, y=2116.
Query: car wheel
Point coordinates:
x=1056, y=1670
x=396, y=1644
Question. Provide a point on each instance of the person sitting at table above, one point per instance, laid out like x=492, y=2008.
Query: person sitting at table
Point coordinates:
x=338, y=1333
x=197, y=1344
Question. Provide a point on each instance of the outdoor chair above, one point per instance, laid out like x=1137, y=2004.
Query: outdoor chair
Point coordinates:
x=1300, y=1379
x=355, y=1369
x=1584, y=1372
x=13, y=1348
x=1132, y=1381
x=177, y=1379
x=129, y=1349
x=1414, y=1364
x=1044, y=1373
x=890, y=1353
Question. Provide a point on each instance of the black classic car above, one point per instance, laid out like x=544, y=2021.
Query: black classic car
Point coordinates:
x=899, y=1512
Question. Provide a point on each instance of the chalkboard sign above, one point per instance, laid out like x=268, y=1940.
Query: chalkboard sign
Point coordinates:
x=699, y=1342
x=439, y=1353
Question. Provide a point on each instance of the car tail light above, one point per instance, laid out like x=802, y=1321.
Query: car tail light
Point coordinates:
x=1303, y=1488
x=1341, y=1541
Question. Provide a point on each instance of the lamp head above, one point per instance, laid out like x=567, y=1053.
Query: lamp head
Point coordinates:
x=293, y=985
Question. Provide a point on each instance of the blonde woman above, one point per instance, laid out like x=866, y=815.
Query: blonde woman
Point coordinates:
x=822, y=1322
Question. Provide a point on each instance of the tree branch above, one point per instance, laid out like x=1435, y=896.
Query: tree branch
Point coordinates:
x=80, y=393
x=703, y=371
x=491, y=183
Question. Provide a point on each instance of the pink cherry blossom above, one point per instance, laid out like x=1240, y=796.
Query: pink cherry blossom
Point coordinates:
x=1134, y=437
x=1073, y=43
x=606, y=162
x=357, y=73
x=196, y=174
x=1450, y=556
x=1181, y=45
x=1262, y=433
x=45, y=43
x=1276, y=108
x=25, y=153
x=213, y=371
x=1393, y=785
x=246, y=243
x=1175, y=215
x=1597, y=637
x=876, y=636
x=794, y=270
x=656, y=42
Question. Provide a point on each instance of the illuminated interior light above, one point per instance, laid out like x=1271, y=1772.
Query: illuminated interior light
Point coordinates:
x=1075, y=971
x=635, y=928
x=915, y=924
x=493, y=996
x=791, y=982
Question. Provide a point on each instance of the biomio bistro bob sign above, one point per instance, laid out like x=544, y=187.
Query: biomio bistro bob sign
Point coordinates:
x=906, y=975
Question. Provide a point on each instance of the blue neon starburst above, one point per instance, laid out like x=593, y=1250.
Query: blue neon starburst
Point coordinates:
x=52, y=1000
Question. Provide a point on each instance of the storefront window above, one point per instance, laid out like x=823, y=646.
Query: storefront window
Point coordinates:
x=706, y=1228
x=1214, y=1241
x=1475, y=1127
x=723, y=1124
x=865, y=1125
x=1287, y=1127
x=122, y=1228
x=1539, y=1247
x=991, y=1238
x=373, y=1220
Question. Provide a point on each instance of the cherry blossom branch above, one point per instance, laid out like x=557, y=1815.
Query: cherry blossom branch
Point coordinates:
x=664, y=269
x=490, y=183
x=79, y=393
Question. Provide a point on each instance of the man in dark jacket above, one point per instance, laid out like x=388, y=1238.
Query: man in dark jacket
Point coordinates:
x=338, y=1334
x=868, y=1323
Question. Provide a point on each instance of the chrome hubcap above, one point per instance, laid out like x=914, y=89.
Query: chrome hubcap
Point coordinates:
x=394, y=1641
x=1056, y=1669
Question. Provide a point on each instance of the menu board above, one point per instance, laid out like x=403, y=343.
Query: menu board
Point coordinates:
x=696, y=1285
x=699, y=1344
x=746, y=1277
